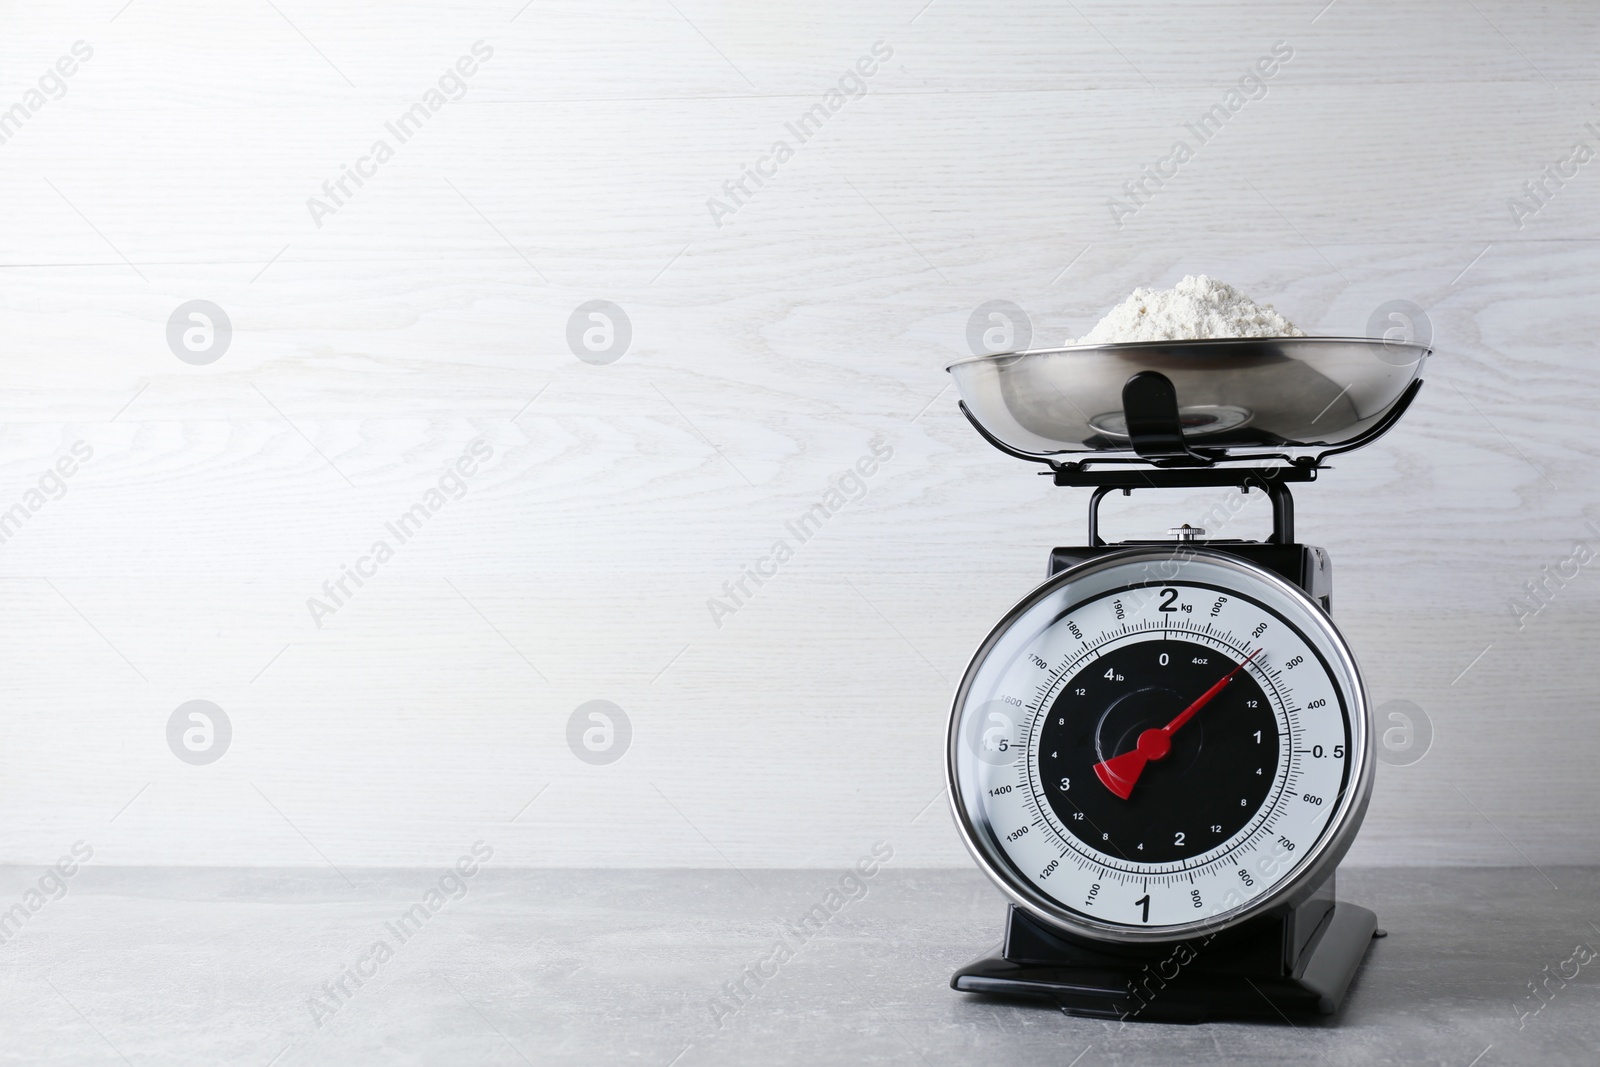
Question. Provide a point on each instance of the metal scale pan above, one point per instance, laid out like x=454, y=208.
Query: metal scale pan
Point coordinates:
x=1236, y=399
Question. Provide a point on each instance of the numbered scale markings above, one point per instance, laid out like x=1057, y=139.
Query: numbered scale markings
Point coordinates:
x=1142, y=757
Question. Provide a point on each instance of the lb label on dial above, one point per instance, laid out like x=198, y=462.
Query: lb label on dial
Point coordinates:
x=1152, y=746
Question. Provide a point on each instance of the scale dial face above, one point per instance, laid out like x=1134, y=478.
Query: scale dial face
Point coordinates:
x=1158, y=744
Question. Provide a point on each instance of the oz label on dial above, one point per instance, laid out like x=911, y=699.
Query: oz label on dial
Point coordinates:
x=1147, y=758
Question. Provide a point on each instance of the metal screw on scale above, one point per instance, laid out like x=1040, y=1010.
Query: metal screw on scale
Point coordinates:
x=1186, y=532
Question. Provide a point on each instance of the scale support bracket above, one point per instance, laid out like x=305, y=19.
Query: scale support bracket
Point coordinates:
x=1269, y=480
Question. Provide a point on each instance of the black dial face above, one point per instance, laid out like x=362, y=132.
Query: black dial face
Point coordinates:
x=1211, y=780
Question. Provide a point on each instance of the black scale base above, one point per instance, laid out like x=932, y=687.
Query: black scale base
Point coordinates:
x=1293, y=964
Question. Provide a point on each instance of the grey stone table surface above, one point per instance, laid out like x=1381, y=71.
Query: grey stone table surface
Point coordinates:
x=690, y=967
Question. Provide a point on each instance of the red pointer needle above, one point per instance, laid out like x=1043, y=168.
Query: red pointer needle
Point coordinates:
x=1120, y=773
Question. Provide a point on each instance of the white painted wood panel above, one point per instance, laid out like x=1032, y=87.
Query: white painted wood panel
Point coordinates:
x=430, y=311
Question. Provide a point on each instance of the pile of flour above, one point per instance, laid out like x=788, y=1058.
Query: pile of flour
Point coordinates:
x=1196, y=308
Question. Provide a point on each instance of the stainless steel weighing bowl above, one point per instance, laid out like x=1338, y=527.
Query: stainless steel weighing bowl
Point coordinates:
x=1241, y=395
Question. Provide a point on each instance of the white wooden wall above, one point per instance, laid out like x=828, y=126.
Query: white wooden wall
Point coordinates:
x=767, y=353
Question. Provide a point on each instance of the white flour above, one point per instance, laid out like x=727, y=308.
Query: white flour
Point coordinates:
x=1197, y=307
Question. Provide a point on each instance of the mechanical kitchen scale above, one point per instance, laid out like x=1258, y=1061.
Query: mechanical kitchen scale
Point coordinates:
x=1161, y=754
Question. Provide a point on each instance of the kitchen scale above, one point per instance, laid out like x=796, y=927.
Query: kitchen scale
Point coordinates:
x=1161, y=754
